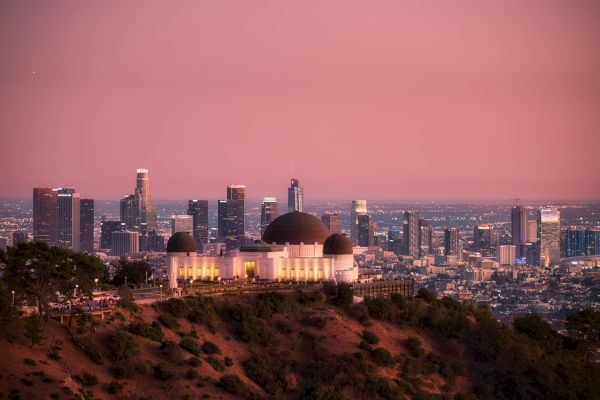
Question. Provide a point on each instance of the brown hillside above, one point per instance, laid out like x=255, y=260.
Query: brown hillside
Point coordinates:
x=296, y=332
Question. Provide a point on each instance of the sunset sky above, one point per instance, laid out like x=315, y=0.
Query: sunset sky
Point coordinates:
x=370, y=99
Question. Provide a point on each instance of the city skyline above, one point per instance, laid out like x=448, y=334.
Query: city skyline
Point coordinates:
x=439, y=101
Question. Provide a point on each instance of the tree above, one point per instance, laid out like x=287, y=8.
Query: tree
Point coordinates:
x=34, y=328
x=131, y=272
x=39, y=271
x=8, y=313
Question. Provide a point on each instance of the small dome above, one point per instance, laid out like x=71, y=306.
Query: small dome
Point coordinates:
x=294, y=228
x=337, y=244
x=181, y=242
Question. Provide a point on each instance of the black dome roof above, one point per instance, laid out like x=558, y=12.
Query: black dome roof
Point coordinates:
x=294, y=228
x=337, y=244
x=181, y=242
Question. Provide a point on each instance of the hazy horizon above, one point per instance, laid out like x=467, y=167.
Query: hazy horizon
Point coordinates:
x=388, y=100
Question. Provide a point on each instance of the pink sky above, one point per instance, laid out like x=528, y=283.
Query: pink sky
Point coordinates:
x=371, y=99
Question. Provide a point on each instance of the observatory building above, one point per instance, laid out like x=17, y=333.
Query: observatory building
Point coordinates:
x=296, y=246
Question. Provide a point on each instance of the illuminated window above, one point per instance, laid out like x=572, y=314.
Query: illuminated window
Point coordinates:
x=249, y=267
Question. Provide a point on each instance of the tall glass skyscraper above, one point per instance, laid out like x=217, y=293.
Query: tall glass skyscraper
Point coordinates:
x=411, y=234
x=359, y=207
x=231, y=215
x=451, y=242
x=86, y=226
x=44, y=215
x=425, y=237
x=67, y=218
x=366, y=231
x=147, y=212
x=198, y=209
x=268, y=212
x=549, y=235
x=295, y=196
x=518, y=227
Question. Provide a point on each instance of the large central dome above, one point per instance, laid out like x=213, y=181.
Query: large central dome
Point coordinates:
x=294, y=228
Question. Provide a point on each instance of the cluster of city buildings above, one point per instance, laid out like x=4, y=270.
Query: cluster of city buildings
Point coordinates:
x=458, y=261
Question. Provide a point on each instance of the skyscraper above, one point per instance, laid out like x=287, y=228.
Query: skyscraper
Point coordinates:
x=393, y=241
x=333, y=222
x=295, y=196
x=549, y=235
x=485, y=239
x=44, y=215
x=67, y=218
x=106, y=230
x=129, y=211
x=147, y=212
x=268, y=212
x=425, y=237
x=531, y=231
x=198, y=209
x=366, y=230
x=125, y=243
x=231, y=214
x=451, y=242
x=359, y=207
x=86, y=226
x=411, y=234
x=182, y=223
x=518, y=225
x=506, y=254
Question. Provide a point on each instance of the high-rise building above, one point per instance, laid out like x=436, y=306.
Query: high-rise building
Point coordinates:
x=198, y=209
x=67, y=218
x=411, y=234
x=333, y=222
x=147, y=212
x=44, y=215
x=359, y=207
x=485, y=239
x=518, y=227
x=3, y=244
x=366, y=230
x=574, y=242
x=532, y=231
x=182, y=223
x=295, y=196
x=129, y=212
x=394, y=242
x=20, y=237
x=125, y=243
x=549, y=235
x=582, y=242
x=268, y=212
x=231, y=214
x=506, y=254
x=591, y=242
x=86, y=226
x=426, y=237
x=451, y=242
x=106, y=230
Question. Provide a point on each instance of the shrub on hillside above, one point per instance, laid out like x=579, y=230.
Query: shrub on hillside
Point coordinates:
x=189, y=344
x=114, y=387
x=169, y=321
x=210, y=348
x=162, y=372
x=216, y=364
x=91, y=349
x=413, y=345
x=370, y=337
x=382, y=357
x=121, y=346
x=270, y=303
x=149, y=331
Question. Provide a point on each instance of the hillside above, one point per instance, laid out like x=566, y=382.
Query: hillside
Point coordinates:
x=300, y=346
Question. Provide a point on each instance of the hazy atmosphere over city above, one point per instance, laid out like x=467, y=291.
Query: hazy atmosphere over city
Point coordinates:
x=387, y=100
x=304, y=200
